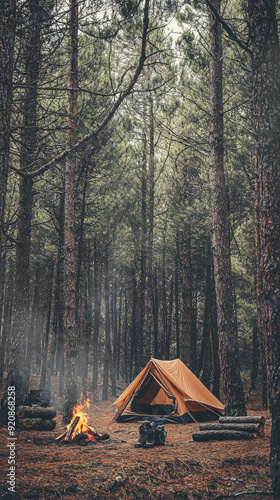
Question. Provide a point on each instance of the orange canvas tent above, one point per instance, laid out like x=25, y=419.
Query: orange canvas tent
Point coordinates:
x=167, y=389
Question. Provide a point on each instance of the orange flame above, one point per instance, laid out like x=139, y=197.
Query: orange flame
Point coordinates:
x=79, y=411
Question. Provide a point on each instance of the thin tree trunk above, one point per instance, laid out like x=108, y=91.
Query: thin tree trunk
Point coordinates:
x=83, y=332
x=97, y=304
x=255, y=359
x=232, y=384
x=149, y=341
x=69, y=278
x=169, y=320
x=34, y=313
x=46, y=378
x=205, y=362
x=133, y=344
x=260, y=305
x=186, y=341
x=7, y=315
x=119, y=335
x=156, y=314
x=107, y=353
x=125, y=359
x=177, y=304
x=143, y=258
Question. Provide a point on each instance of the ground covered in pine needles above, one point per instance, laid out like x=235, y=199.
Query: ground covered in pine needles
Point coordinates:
x=114, y=469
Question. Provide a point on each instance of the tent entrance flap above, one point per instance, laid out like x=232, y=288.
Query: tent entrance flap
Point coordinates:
x=151, y=399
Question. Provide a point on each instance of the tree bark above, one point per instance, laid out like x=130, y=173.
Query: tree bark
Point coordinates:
x=107, y=353
x=21, y=318
x=205, y=362
x=143, y=258
x=7, y=40
x=186, y=343
x=149, y=340
x=266, y=112
x=228, y=345
x=97, y=269
x=69, y=278
x=260, y=307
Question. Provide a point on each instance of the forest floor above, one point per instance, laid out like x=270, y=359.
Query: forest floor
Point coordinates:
x=182, y=469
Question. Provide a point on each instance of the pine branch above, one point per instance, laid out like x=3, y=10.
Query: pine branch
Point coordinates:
x=94, y=132
x=227, y=28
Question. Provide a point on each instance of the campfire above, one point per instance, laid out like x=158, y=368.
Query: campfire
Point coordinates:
x=78, y=431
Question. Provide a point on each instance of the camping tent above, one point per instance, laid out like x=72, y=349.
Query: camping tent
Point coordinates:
x=169, y=390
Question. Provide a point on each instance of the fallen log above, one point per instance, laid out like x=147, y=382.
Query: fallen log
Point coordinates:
x=36, y=412
x=253, y=419
x=221, y=435
x=257, y=429
x=71, y=429
x=36, y=424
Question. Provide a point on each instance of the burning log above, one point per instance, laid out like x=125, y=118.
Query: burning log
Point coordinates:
x=99, y=436
x=222, y=435
x=36, y=412
x=36, y=424
x=78, y=431
x=71, y=429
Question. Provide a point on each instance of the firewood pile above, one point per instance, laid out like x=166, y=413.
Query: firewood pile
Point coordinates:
x=36, y=418
x=231, y=428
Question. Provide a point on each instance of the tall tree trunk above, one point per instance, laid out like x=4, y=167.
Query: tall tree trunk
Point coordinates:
x=231, y=378
x=143, y=258
x=266, y=112
x=7, y=39
x=69, y=278
x=21, y=320
x=149, y=340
